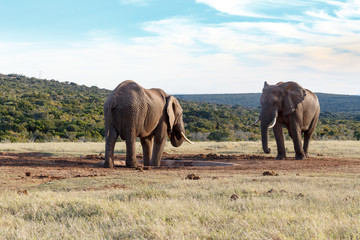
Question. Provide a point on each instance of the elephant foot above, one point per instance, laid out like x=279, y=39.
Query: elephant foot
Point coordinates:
x=131, y=164
x=155, y=163
x=299, y=157
x=267, y=150
x=280, y=157
x=108, y=164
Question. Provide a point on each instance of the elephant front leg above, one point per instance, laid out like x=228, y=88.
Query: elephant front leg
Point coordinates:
x=131, y=160
x=279, y=137
x=147, y=144
x=157, y=152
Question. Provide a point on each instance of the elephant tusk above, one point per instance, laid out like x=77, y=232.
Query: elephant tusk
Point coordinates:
x=186, y=139
x=255, y=122
x=272, y=124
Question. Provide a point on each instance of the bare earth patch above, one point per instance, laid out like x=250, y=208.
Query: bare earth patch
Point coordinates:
x=18, y=170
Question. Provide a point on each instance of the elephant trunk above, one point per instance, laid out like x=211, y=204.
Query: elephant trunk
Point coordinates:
x=267, y=123
x=176, y=138
x=265, y=137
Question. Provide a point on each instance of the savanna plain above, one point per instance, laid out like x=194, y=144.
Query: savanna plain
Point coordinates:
x=60, y=191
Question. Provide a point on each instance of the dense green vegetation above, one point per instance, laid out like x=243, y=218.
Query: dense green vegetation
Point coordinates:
x=48, y=110
x=207, y=121
x=329, y=102
x=339, y=118
x=41, y=110
x=243, y=99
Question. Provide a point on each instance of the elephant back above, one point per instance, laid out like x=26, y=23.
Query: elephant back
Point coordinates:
x=126, y=94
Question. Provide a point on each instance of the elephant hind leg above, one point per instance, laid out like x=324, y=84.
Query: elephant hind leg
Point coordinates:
x=307, y=137
x=109, y=148
x=309, y=133
x=131, y=160
x=299, y=150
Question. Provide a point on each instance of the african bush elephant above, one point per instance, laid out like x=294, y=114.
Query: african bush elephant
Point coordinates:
x=290, y=105
x=132, y=111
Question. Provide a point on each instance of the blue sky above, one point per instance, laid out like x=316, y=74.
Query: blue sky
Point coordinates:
x=185, y=46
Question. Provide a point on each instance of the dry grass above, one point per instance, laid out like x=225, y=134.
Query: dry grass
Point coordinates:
x=349, y=149
x=155, y=205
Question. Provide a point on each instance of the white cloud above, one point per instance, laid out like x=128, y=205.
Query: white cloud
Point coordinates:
x=319, y=49
x=259, y=8
x=135, y=2
x=232, y=7
x=349, y=9
x=284, y=9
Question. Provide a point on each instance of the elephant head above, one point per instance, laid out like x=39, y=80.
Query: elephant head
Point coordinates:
x=277, y=101
x=176, y=129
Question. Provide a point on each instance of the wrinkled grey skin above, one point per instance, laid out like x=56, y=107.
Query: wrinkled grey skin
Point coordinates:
x=131, y=111
x=296, y=108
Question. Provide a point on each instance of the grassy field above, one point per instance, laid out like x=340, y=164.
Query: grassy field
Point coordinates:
x=162, y=204
x=155, y=205
x=349, y=149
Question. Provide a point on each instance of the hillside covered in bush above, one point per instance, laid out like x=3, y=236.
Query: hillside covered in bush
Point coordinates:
x=47, y=110
x=333, y=103
x=42, y=110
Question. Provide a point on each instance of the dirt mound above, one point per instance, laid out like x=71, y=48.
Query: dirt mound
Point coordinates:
x=270, y=173
x=234, y=197
x=192, y=176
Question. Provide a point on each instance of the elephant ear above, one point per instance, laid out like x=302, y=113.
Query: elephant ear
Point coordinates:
x=173, y=110
x=294, y=94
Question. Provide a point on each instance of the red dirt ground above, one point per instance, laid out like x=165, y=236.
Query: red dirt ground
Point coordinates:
x=24, y=169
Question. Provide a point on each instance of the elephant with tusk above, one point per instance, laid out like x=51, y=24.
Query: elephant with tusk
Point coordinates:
x=293, y=106
x=132, y=111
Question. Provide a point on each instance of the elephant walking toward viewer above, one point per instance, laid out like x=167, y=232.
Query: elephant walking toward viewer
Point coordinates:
x=290, y=105
x=131, y=111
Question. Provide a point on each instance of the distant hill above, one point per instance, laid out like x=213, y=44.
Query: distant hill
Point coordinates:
x=334, y=103
x=339, y=103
